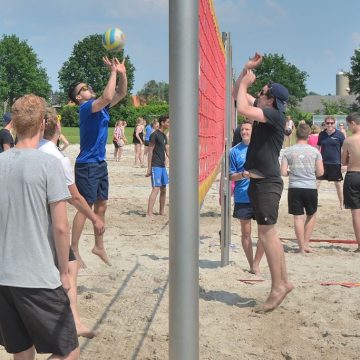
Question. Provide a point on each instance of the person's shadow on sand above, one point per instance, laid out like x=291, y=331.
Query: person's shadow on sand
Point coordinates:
x=227, y=298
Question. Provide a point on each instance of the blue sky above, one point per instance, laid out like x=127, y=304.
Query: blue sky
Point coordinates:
x=318, y=36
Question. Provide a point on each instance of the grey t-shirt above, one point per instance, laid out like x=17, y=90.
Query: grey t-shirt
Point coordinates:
x=30, y=180
x=301, y=159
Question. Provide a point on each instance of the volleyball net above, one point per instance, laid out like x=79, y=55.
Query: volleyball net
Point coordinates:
x=212, y=97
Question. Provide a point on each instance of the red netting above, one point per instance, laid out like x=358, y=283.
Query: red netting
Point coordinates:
x=212, y=92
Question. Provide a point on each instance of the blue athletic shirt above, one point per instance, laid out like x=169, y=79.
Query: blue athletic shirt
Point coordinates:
x=148, y=130
x=93, y=133
x=237, y=157
x=331, y=146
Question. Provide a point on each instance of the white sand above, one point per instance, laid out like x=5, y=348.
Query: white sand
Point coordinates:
x=128, y=302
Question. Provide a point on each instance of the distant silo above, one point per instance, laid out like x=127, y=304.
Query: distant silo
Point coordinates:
x=342, y=84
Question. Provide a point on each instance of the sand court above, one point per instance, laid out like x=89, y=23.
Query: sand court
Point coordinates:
x=127, y=303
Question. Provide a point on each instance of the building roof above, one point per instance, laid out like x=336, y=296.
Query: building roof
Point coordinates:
x=311, y=103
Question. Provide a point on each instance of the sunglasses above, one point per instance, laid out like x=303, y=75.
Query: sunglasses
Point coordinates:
x=329, y=123
x=266, y=93
x=84, y=88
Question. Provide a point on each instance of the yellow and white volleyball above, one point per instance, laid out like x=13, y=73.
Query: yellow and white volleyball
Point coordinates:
x=113, y=39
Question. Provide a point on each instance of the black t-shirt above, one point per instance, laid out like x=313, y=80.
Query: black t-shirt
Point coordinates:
x=265, y=145
x=5, y=138
x=159, y=139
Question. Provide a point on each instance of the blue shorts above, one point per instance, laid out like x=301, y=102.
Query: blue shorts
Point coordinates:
x=243, y=211
x=92, y=181
x=159, y=177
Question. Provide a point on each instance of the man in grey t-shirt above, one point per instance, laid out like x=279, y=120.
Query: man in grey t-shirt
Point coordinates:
x=302, y=163
x=34, y=244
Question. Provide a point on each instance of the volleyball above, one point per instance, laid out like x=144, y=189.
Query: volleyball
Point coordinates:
x=113, y=39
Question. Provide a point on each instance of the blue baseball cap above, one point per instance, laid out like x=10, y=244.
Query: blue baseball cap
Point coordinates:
x=281, y=95
x=7, y=118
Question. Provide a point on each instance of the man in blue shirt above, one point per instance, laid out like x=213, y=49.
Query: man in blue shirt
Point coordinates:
x=330, y=141
x=243, y=209
x=91, y=174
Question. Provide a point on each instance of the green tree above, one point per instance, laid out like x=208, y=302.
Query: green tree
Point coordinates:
x=354, y=74
x=154, y=91
x=20, y=71
x=334, y=107
x=276, y=69
x=85, y=64
x=297, y=115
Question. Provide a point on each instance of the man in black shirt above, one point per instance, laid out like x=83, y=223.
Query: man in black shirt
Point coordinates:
x=263, y=169
x=6, y=139
x=158, y=148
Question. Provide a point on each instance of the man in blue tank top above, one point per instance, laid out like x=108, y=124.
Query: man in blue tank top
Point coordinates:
x=91, y=174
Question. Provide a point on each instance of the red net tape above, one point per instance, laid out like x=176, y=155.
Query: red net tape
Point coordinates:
x=212, y=91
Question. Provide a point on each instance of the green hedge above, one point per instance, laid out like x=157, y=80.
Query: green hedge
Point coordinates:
x=70, y=115
x=72, y=134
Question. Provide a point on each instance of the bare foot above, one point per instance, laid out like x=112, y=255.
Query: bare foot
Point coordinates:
x=357, y=250
x=101, y=253
x=80, y=261
x=83, y=331
x=301, y=251
x=149, y=215
x=308, y=250
x=275, y=298
x=255, y=269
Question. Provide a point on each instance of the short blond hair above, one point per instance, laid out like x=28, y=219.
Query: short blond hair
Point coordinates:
x=51, y=123
x=28, y=114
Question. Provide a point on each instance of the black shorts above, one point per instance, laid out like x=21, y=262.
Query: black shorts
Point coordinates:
x=39, y=317
x=243, y=211
x=331, y=173
x=92, y=180
x=352, y=190
x=72, y=256
x=265, y=197
x=116, y=144
x=300, y=199
x=288, y=132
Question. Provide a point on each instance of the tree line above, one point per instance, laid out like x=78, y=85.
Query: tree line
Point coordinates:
x=21, y=72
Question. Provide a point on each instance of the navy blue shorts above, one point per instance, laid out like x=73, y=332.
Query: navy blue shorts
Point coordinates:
x=92, y=181
x=243, y=211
